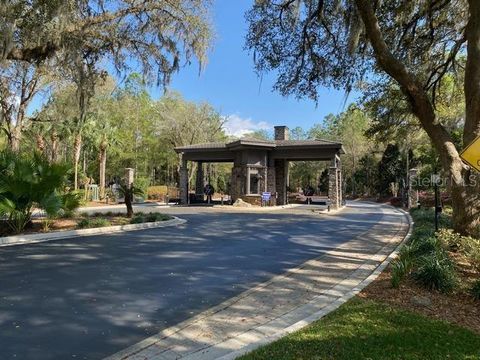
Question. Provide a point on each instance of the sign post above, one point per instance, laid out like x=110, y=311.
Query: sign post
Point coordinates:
x=471, y=154
x=438, y=209
x=266, y=196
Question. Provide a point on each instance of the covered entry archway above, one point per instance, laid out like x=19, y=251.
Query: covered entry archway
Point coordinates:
x=262, y=165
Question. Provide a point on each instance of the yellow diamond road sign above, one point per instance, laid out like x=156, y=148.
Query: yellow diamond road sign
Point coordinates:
x=471, y=154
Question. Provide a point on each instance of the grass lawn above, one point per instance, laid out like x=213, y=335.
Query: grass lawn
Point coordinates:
x=364, y=329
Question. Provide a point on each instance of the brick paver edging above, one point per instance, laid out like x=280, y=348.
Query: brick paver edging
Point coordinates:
x=58, y=235
x=283, y=304
x=326, y=310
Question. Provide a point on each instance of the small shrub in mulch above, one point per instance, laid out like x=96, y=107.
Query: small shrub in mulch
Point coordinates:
x=88, y=223
x=466, y=245
x=138, y=219
x=435, y=271
x=150, y=217
x=475, y=290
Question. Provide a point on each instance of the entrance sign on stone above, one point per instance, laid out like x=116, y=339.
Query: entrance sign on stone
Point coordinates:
x=471, y=154
x=266, y=196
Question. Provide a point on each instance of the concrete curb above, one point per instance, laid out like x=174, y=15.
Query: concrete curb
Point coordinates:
x=315, y=208
x=58, y=235
x=329, y=308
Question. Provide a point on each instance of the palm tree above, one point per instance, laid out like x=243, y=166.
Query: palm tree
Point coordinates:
x=128, y=192
x=107, y=137
x=28, y=182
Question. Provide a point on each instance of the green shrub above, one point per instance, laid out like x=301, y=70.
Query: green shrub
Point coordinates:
x=83, y=197
x=138, y=219
x=86, y=223
x=468, y=246
x=113, y=214
x=152, y=217
x=47, y=224
x=471, y=249
x=71, y=201
x=424, y=217
x=423, y=231
x=436, y=272
x=142, y=183
x=27, y=182
x=425, y=246
x=403, y=265
x=475, y=290
x=450, y=238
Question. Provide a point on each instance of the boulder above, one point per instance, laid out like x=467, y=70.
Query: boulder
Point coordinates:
x=241, y=203
x=421, y=301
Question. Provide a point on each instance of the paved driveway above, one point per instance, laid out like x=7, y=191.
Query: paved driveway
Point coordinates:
x=87, y=298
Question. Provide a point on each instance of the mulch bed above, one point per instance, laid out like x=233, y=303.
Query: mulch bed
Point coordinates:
x=36, y=226
x=458, y=308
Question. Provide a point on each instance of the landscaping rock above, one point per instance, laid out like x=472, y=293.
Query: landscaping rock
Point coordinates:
x=241, y=203
x=421, y=301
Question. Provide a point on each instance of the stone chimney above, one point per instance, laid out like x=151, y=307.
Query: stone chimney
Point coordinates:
x=281, y=133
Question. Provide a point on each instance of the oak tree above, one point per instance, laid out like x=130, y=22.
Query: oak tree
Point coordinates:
x=415, y=43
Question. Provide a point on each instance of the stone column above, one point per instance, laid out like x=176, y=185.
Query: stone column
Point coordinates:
x=333, y=186
x=281, y=174
x=129, y=176
x=412, y=192
x=340, y=181
x=199, y=182
x=238, y=182
x=183, y=182
x=271, y=182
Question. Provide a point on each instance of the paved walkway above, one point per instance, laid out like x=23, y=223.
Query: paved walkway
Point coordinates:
x=282, y=305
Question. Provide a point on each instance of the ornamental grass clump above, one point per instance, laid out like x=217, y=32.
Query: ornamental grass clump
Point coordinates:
x=425, y=258
x=402, y=266
x=436, y=271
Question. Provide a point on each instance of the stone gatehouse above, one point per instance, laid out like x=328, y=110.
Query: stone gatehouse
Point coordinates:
x=262, y=165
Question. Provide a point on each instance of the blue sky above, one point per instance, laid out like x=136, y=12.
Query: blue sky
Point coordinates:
x=230, y=84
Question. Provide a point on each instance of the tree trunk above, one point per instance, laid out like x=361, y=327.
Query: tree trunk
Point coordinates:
x=77, y=146
x=462, y=185
x=14, y=139
x=103, y=165
x=40, y=143
x=128, y=202
x=54, y=140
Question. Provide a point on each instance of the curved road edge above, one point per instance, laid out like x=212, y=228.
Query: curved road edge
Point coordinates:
x=283, y=304
x=69, y=234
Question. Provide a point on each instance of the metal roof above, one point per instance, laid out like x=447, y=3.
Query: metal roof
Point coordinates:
x=260, y=142
x=206, y=146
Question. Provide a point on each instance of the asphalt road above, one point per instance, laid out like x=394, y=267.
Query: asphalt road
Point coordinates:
x=87, y=298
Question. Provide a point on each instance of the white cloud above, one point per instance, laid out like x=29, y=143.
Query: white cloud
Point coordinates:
x=238, y=126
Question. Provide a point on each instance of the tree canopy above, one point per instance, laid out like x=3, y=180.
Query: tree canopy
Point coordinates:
x=409, y=47
x=155, y=35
